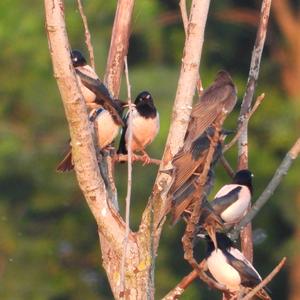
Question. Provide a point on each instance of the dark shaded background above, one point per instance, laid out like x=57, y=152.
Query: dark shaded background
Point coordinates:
x=48, y=239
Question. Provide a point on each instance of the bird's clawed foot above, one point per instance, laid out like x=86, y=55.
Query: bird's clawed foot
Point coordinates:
x=146, y=158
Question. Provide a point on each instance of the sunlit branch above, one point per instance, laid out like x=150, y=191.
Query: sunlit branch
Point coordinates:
x=129, y=179
x=246, y=234
x=87, y=34
x=264, y=282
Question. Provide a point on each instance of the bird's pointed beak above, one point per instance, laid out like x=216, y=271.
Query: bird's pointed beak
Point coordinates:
x=212, y=234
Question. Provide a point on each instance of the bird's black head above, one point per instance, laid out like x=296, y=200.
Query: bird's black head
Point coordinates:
x=143, y=97
x=223, y=241
x=78, y=59
x=244, y=177
x=145, y=105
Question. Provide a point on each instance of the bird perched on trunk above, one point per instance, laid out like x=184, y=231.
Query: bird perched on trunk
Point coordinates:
x=145, y=126
x=105, y=112
x=229, y=267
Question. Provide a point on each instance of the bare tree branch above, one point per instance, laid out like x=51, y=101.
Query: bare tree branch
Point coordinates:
x=118, y=46
x=245, y=122
x=183, y=100
x=268, y=192
x=246, y=234
x=129, y=179
x=227, y=166
x=268, y=279
x=83, y=150
x=184, y=15
x=151, y=225
x=87, y=34
x=124, y=157
x=182, y=285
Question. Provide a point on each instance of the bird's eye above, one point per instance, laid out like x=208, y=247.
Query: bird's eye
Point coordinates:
x=148, y=97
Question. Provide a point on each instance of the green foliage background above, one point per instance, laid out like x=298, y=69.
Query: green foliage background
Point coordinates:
x=48, y=240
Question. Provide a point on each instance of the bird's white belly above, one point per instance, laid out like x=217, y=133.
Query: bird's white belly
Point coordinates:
x=238, y=209
x=144, y=132
x=223, y=272
x=107, y=130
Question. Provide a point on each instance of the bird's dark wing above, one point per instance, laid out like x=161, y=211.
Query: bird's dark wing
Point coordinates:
x=249, y=277
x=67, y=163
x=103, y=96
x=221, y=203
x=122, y=144
x=185, y=163
x=212, y=102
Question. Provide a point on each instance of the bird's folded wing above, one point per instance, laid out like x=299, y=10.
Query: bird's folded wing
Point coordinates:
x=103, y=96
x=221, y=203
x=249, y=277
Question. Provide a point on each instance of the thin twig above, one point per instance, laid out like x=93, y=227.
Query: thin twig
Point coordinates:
x=184, y=15
x=248, y=115
x=87, y=34
x=181, y=286
x=124, y=157
x=266, y=280
x=246, y=234
x=227, y=166
x=268, y=192
x=129, y=181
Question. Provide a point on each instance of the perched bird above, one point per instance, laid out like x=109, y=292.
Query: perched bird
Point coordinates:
x=106, y=131
x=218, y=98
x=94, y=91
x=105, y=112
x=229, y=267
x=145, y=125
x=231, y=211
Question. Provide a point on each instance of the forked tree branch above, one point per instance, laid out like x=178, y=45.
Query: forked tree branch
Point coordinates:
x=87, y=34
x=246, y=234
x=83, y=150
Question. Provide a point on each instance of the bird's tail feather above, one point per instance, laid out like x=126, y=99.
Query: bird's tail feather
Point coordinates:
x=66, y=164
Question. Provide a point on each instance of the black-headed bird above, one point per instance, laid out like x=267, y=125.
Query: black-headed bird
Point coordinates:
x=94, y=91
x=145, y=125
x=229, y=267
x=241, y=189
x=105, y=112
